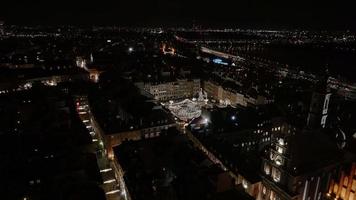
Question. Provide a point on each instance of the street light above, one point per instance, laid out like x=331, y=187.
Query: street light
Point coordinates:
x=205, y=121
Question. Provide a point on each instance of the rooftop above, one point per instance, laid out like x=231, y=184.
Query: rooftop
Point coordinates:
x=169, y=168
x=312, y=150
x=44, y=147
x=119, y=106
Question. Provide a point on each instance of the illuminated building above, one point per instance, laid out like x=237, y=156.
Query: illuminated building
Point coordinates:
x=179, y=89
x=151, y=126
x=319, y=106
x=127, y=116
x=235, y=136
x=168, y=50
x=169, y=167
x=229, y=96
x=94, y=74
x=298, y=165
x=343, y=185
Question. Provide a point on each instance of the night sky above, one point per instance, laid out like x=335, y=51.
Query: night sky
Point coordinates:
x=219, y=13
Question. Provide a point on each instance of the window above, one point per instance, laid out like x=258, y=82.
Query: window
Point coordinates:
x=335, y=188
x=272, y=196
x=281, y=141
x=276, y=174
x=353, y=187
x=267, y=169
x=244, y=184
x=346, y=181
x=279, y=160
x=280, y=150
x=343, y=193
x=264, y=190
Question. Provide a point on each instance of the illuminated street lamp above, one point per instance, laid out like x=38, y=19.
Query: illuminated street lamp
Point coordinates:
x=205, y=120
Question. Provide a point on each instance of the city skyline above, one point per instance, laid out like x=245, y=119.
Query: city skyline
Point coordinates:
x=249, y=14
x=177, y=100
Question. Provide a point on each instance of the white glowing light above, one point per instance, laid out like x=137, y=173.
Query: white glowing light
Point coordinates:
x=205, y=121
x=113, y=192
x=109, y=181
x=106, y=170
x=281, y=141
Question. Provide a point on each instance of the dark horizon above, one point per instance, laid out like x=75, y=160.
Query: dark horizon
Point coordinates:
x=252, y=14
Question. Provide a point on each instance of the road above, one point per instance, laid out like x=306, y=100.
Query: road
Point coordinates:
x=111, y=185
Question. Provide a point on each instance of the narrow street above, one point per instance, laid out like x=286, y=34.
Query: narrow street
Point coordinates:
x=111, y=185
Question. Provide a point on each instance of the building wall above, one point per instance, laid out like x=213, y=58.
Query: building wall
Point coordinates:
x=343, y=186
x=116, y=139
x=94, y=75
x=173, y=90
x=279, y=181
x=218, y=93
x=250, y=188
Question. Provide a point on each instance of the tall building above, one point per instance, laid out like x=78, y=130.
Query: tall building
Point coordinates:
x=319, y=106
x=343, y=185
x=298, y=166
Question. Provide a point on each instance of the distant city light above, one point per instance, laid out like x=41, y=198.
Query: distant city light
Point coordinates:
x=219, y=61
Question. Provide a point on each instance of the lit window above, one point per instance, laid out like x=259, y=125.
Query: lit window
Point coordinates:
x=276, y=174
x=267, y=169
x=272, y=196
x=335, y=188
x=280, y=150
x=279, y=160
x=353, y=186
x=346, y=180
x=244, y=184
x=343, y=193
x=281, y=141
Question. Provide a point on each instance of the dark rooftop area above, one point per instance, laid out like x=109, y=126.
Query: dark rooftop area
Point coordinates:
x=117, y=112
x=45, y=148
x=168, y=168
x=312, y=150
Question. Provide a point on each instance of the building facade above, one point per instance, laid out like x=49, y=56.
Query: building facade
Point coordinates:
x=231, y=97
x=167, y=91
x=294, y=167
x=343, y=184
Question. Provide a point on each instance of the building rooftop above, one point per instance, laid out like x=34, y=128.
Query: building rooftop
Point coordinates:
x=119, y=106
x=44, y=147
x=169, y=167
x=311, y=150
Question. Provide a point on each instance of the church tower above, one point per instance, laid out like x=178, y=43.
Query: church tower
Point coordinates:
x=319, y=105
